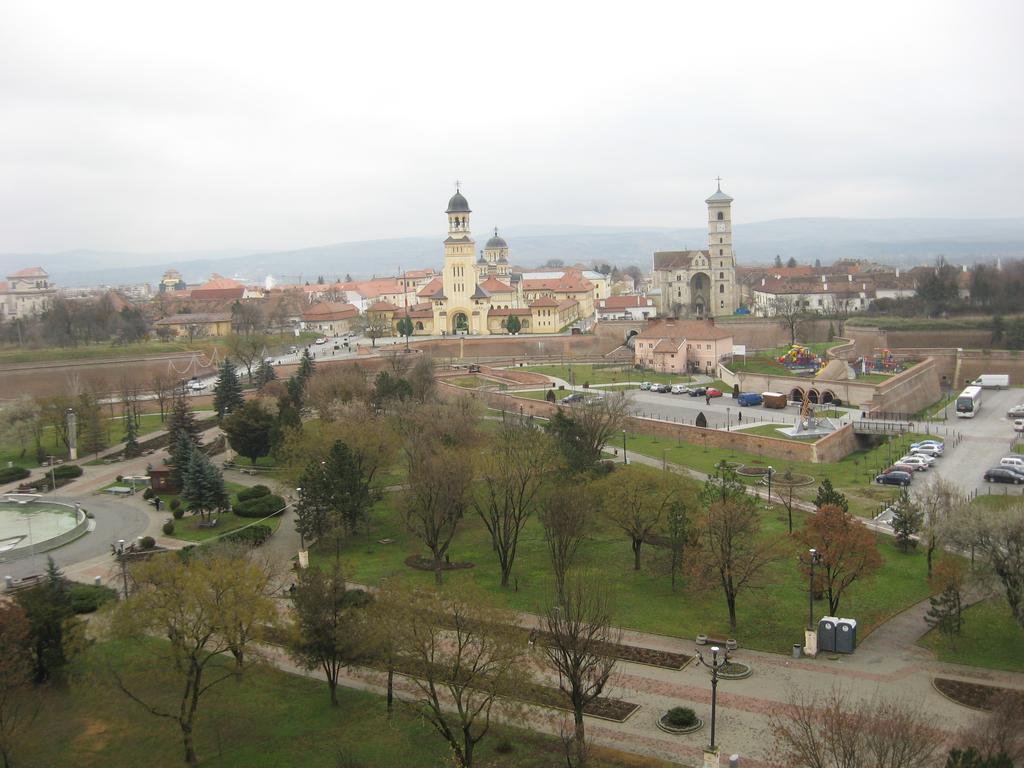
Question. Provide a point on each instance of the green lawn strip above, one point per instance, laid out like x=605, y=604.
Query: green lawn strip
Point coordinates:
x=920, y=324
x=771, y=618
x=997, y=499
x=854, y=475
x=596, y=374
x=772, y=430
x=542, y=394
x=988, y=638
x=468, y=382
x=267, y=719
x=114, y=431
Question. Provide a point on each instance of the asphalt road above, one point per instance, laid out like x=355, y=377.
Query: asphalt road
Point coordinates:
x=722, y=410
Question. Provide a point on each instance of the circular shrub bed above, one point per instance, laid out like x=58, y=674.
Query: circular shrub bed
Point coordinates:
x=421, y=563
x=734, y=670
x=746, y=471
x=680, y=720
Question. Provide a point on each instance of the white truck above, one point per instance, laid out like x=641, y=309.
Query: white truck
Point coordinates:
x=992, y=381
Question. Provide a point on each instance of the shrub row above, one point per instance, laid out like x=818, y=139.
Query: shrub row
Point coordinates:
x=10, y=474
x=253, y=493
x=87, y=598
x=261, y=506
x=67, y=471
x=252, y=536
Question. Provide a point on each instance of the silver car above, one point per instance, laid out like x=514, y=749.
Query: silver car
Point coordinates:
x=1016, y=412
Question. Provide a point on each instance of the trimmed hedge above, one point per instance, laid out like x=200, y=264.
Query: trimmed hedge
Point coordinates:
x=147, y=542
x=10, y=474
x=253, y=493
x=67, y=471
x=87, y=598
x=261, y=506
x=253, y=536
x=681, y=717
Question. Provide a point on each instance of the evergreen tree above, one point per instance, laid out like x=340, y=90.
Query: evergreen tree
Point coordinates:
x=181, y=455
x=131, y=438
x=249, y=430
x=306, y=368
x=183, y=421
x=52, y=624
x=827, y=495
x=791, y=263
x=513, y=325
x=778, y=260
x=227, y=391
x=944, y=612
x=203, y=485
x=906, y=521
x=970, y=758
x=265, y=374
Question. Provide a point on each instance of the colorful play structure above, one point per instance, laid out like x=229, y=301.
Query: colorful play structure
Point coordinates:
x=800, y=358
x=882, y=362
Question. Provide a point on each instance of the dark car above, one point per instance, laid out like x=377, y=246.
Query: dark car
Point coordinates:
x=474, y=369
x=575, y=397
x=1003, y=475
x=894, y=478
x=698, y=392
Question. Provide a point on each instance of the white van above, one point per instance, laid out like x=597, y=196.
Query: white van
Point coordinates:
x=1017, y=462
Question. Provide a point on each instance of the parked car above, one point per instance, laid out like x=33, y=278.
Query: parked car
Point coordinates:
x=645, y=385
x=698, y=391
x=712, y=392
x=926, y=450
x=919, y=463
x=750, y=398
x=1013, y=462
x=894, y=478
x=1016, y=412
x=934, y=443
x=899, y=468
x=1018, y=425
x=929, y=460
x=1003, y=475
x=474, y=369
x=575, y=397
x=196, y=385
x=680, y=389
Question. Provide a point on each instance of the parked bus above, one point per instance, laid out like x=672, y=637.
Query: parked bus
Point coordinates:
x=968, y=403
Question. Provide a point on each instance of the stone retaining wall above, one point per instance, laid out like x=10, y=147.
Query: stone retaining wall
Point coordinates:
x=829, y=449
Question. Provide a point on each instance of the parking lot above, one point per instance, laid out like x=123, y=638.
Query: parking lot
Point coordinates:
x=722, y=410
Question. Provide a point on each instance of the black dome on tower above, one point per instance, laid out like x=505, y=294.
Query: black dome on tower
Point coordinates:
x=496, y=241
x=458, y=204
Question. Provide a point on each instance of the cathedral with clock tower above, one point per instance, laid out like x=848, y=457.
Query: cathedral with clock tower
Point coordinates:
x=700, y=284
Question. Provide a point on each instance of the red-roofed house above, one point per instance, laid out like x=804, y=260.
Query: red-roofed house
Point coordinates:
x=330, y=318
x=626, y=308
x=682, y=346
x=217, y=288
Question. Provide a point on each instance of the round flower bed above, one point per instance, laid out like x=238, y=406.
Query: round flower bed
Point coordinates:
x=746, y=471
x=680, y=720
x=734, y=670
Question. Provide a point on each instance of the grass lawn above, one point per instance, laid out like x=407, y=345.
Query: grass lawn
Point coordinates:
x=772, y=430
x=887, y=323
x=469, y=382
x=187, y=528
x=597, y=374
x=989, y=638
x=542, y=394
x=853, y=475
x=268, y=719
x=11, y=452
x=770, y=618
x=996, y=498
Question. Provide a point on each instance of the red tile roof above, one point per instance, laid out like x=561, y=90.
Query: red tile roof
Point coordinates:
x=329, y=310
x=381, y=306
x=493, y=285
x=544, y=301
x=623, y=302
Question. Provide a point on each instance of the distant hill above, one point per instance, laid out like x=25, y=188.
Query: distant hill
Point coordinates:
x=903, y=242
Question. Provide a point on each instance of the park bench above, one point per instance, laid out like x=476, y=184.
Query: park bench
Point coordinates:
x=208, y=523
x=728, y=643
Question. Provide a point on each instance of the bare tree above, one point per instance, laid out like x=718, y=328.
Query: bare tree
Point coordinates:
x=789, y=311
x=461, y=654
x=583, y=430
x=248, y=349
x=375, y=327
x=635, y=499
x=512, y=469
x=579, y=631
x=563, y=514
x=732, y=550
x=332, y=388
x=997, y=536
x=939, y=501
x=811, y=731
x=847, y=549
x=839, y=308
x=998, y=732
x=163, y=385
x=195, y=331
x=439, y=485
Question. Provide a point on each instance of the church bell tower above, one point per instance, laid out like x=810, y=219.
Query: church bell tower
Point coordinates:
x=720, y=255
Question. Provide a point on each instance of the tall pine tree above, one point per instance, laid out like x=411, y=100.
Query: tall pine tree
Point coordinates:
x=182, y=421
x=227, y=391
x=131, y=438
x=203, y=485
x=265, y=374
x=306, y=368
x=181, y=451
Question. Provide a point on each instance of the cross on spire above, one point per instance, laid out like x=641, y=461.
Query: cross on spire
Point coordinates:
x=457, y=185
x=719, y=180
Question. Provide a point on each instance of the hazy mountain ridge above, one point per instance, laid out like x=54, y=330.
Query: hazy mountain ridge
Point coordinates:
x=896, y=241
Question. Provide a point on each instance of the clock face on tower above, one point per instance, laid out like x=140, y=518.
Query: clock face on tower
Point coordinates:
x=721, y=226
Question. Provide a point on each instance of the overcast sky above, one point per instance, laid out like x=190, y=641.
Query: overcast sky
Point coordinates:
x=193, y=125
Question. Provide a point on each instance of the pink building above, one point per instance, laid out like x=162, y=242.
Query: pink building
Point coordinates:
x=682, y=346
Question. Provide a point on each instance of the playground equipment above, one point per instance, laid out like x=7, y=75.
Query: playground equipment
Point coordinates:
x=882, y=362
x=800, y=358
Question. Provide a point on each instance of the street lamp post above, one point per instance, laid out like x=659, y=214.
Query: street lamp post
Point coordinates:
x=715, y=665
x=771, y=472
x=624, y=447
x=728, y=419
x=815, y=558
